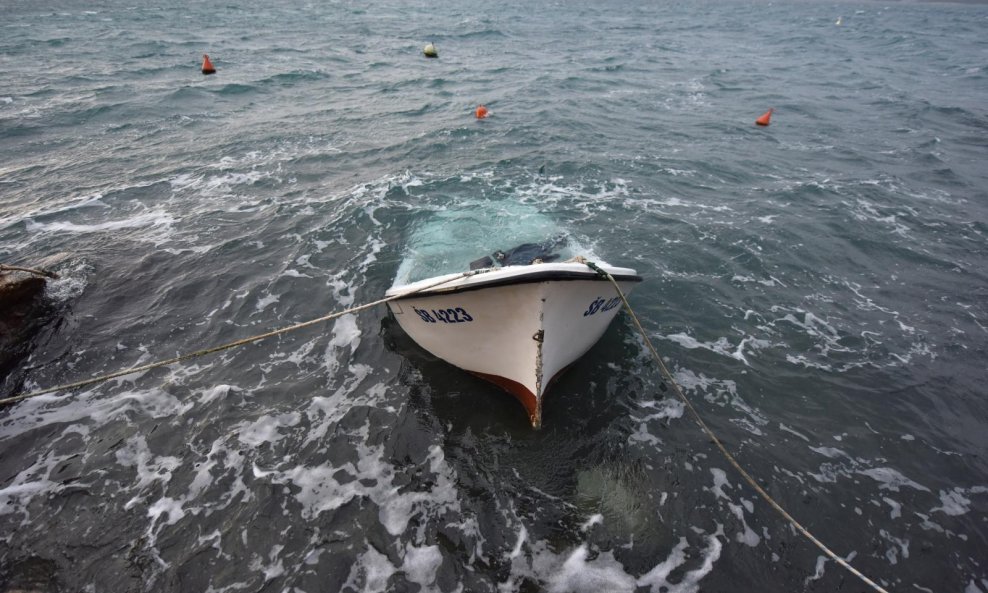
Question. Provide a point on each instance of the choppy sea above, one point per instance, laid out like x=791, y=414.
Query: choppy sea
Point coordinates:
x=819, y=287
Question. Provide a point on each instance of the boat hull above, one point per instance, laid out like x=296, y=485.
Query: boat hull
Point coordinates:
x=518, y=329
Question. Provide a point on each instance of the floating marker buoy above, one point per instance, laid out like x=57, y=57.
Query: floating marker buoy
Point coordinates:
x=430, y=51
x=481, y=112
x=763, y=120
x=207, y=66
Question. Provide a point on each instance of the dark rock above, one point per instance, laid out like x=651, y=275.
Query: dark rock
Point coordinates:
x=23, y=311
x=18, y=289
x=30, y=575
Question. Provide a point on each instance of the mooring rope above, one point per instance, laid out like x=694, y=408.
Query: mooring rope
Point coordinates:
x=727, y=455
x=45, y=273
x=234, y=344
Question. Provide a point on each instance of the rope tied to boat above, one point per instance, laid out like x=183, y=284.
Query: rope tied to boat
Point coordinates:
x=234, y=344
x=713, y=437
x=45, y=273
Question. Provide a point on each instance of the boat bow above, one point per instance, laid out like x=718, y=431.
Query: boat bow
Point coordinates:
x=518, y=327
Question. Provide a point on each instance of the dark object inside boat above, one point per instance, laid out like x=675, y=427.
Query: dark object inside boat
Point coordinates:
x=522, y=255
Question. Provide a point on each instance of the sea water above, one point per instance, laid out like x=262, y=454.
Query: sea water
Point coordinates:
x=817, y=288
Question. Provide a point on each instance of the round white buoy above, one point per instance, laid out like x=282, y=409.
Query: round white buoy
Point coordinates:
x=430, y=51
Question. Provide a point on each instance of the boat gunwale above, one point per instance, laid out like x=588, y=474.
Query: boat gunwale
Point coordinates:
x=518, y=275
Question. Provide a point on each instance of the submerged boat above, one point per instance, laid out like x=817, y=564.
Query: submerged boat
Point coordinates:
x=518, y=321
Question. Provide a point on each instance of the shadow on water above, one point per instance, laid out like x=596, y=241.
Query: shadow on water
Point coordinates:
x=449, y=396
x=571, y=481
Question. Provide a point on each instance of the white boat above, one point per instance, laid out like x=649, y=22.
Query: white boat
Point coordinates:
x=518, y=326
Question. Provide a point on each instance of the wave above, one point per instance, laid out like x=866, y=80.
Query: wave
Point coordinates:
x=150, y=219
x=294, y=77
x=233, y=89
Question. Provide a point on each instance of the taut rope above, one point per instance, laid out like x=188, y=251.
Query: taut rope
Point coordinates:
x=227, y=346
x=727, y=455
x=45, y=273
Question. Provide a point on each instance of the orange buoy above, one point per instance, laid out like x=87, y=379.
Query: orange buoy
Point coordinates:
x=207, y=66
x=763, y=120
x=481, y=112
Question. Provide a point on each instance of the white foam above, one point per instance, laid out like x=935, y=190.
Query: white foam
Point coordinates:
x=663, y=409
x=168, y=507
x=791, y=431
x=27, y=484
x=215, y=393
x=152, y=219
x=346, y=334
x=891, y=479
x=585, y=569
x=866, y=211
x=722, y=345
x=746, y=536
x=953, y=502
x=657, y=577
x=578, y=575
x=371, y=570
x=71, y=283
x=319, y=490
x=896, y=508
x=265, y=302
x=723, y=393
x=771, y=281
x=325, y=412
x=273, y=568
x=421, y=564
x=221, y=184
x=265, y=429
x=300, y=354
x=338, y=285
x=829, y=452
x=720, y=480
x=899, y=547
x=821, y=562
x=522, y=538
x=642, y=434
x=203, y=478
x=812, y=325
x=596, y=519
x=150, y=468
x=865, y=303
x=47, y=209
x=805, y=362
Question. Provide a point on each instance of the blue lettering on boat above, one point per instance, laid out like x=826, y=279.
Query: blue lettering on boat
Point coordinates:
x=599, y=304
x=451, y=315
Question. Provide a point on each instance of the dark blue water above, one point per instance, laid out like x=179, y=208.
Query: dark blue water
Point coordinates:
x=818, y=287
